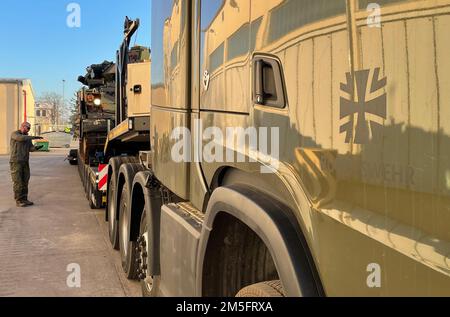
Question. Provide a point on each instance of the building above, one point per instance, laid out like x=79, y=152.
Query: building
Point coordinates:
x=44, y=118
x=16, y=106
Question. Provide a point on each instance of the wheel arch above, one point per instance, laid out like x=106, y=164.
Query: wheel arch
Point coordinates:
x=275, y=225
x=145, y=193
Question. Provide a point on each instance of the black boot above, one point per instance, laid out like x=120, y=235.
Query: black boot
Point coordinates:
x=21, y=204
x=28, y=203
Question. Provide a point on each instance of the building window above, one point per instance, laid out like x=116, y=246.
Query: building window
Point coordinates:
x=238, y=43
x=254, y=29
x=291, y=15
x=44, y=113
x=174, y=56
x=216, y=58
x=38, y=113
x=363, y=4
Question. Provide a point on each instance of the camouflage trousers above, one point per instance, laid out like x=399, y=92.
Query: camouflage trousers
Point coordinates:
x=20, y=174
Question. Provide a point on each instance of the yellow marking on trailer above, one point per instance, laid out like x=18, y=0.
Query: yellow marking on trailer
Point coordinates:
x=118, y=131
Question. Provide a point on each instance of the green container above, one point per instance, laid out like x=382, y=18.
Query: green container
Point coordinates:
x=44, y=144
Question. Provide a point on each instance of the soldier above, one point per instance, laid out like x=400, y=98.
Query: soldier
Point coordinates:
x=21, y=146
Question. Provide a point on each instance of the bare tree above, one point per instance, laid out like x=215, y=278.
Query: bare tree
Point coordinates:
x=74, y=115
x=60, y=112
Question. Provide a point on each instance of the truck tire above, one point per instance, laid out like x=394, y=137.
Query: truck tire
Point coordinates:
x=87, y=185
x=87, y=180
x=264, y=289
x=112, y=223
x=91, y=193
x=128, y=250
x=83, y=173
x=96, y=201
x=112, y=202
x=73, y=157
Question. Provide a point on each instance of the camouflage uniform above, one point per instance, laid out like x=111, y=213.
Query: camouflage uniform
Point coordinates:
x=21, y=146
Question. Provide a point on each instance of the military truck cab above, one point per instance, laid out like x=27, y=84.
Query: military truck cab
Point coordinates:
x=335, y=178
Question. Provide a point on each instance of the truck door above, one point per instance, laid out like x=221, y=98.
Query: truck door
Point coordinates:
x=225, y=90
x=358, y=92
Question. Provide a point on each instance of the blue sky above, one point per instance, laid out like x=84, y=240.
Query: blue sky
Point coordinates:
x=38, y=44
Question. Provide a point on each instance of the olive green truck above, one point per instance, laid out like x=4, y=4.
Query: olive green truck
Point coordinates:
x=294, y=148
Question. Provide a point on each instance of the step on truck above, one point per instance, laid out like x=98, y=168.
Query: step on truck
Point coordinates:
x=295, y=148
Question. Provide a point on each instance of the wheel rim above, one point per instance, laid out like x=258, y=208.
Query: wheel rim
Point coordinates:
x=142, y=259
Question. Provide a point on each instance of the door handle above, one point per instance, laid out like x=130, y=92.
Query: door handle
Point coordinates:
x=268, y=82
x=259, y=84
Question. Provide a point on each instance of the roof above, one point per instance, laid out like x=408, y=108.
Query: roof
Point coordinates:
x=22, y=81
x=39, y=105
x=15, y=80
